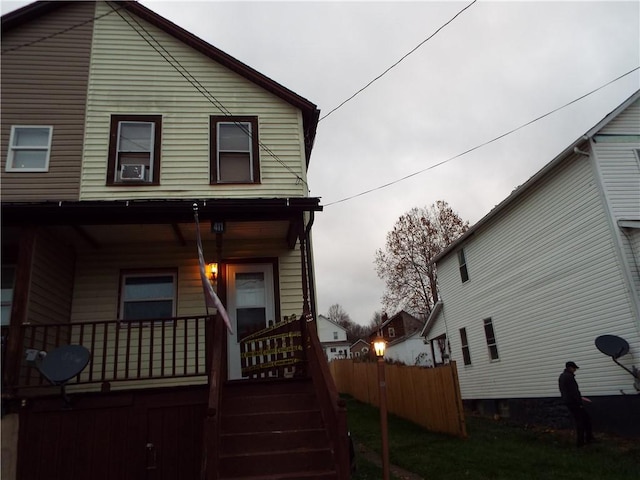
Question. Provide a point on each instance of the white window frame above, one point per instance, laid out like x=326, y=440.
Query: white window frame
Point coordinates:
x=392, y=332
x=155, y=273
x=9, y=167
x=492, y=343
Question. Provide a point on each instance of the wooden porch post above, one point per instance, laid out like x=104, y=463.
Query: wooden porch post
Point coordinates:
x=19, y=306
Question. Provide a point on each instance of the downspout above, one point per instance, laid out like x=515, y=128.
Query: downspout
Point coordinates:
x=312, y=286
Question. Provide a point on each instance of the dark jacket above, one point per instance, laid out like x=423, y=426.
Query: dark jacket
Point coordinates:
x=569, y=390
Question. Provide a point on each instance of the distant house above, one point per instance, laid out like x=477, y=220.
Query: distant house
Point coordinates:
x=398, y=326
x=410, y=350
x=360, y=349
x=551, y=268
x=333, y=338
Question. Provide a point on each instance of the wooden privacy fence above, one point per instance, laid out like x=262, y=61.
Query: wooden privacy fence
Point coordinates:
x=427, y=396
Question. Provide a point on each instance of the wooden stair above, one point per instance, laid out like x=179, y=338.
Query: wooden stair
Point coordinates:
x=273, y=429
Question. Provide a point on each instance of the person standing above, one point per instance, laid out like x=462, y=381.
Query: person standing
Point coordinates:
x=574, y=401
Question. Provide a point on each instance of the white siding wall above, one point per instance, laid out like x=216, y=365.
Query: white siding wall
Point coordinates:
x=129, y=77
x=619, y=170
x=546, y=272
x=409, y=350
x=326, y=329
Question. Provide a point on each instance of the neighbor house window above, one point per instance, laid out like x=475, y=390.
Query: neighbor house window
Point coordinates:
x=29, y=149
x=134, y=150
x=8, y=278
x=462, y=262
x=234, y=150
x=466, y=356
x=491, y=339
x=392, y=332
x=333, y=350
x=146, y=296
x=335, y=335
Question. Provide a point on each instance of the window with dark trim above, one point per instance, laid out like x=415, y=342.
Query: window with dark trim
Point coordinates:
x=491, y=339
x=148, y=295
x=462, y=262
x=134, y=150
x=234, y=155
x=466, y=356
x=392, y=332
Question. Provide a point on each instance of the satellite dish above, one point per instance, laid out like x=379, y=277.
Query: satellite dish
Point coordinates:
x=62, y=364
x=612, y=345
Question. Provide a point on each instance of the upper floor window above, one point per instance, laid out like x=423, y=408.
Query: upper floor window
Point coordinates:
x=335, y=335
x=148, y=295
x=29, y=149
x=134, y=149
x=392, y=332
x=462, y=263
x=234, y=150
x=491, y=339
x=466, y=356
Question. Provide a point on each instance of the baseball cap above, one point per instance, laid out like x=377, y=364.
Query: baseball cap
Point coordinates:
x=571, y=364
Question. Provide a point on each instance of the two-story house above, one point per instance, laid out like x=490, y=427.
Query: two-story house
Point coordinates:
x=118, y=127
x=399, y=326
x=548, y=271
x=333, y=338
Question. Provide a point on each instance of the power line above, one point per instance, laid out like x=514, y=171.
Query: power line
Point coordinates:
x=482, y=144
x=398, y=62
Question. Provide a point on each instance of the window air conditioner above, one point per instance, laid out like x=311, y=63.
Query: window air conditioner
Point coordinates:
x=132, y=173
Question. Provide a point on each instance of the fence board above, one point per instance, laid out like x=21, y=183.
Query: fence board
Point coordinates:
x=427, y=396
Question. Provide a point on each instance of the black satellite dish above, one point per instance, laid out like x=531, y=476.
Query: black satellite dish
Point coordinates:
x=62, y=364
x=615, y=347
x=612, y=345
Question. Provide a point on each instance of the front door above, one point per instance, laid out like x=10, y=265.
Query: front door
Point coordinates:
x=250, y=304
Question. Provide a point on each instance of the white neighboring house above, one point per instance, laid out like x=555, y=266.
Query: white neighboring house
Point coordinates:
x=410, y=350
x=540, y=277
x=333, y=338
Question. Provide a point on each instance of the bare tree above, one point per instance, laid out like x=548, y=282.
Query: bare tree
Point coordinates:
x=337, y=315
x=406, y=265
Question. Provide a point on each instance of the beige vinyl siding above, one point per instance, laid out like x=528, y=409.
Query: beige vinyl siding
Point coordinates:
x=129, y=77
x=52, y=276
x=98, y=276
x=45, y=83
x=545, y=270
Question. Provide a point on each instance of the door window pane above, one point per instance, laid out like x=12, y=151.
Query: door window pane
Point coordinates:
x=250, y=320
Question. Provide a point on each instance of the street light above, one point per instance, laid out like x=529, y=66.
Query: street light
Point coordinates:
x=379, y=346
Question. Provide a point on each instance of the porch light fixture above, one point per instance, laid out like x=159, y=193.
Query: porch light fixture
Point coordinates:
x=379, y=346
x=212, y=270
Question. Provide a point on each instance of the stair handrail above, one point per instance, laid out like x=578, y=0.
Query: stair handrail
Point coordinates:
x=334, y=409
x=211, y=433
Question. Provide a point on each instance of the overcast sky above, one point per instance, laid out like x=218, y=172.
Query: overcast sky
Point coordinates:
x=495, y=67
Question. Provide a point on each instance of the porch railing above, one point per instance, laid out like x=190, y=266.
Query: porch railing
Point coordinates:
x=275, y=351
x=122, y=350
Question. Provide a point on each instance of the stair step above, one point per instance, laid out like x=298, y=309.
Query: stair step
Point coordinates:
x=242, y=388
x=273, y=441
x=276, y=463
x=271, y=421
x=308, y=475
x=269, y=403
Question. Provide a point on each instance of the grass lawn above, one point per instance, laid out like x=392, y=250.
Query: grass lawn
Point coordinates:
x=493, y=450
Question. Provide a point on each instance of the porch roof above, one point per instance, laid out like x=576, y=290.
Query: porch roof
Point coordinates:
x=119, y=212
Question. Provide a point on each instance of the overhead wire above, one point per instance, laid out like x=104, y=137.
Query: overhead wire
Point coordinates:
x=431, y=167
x=398, y=62
x=184, y=72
